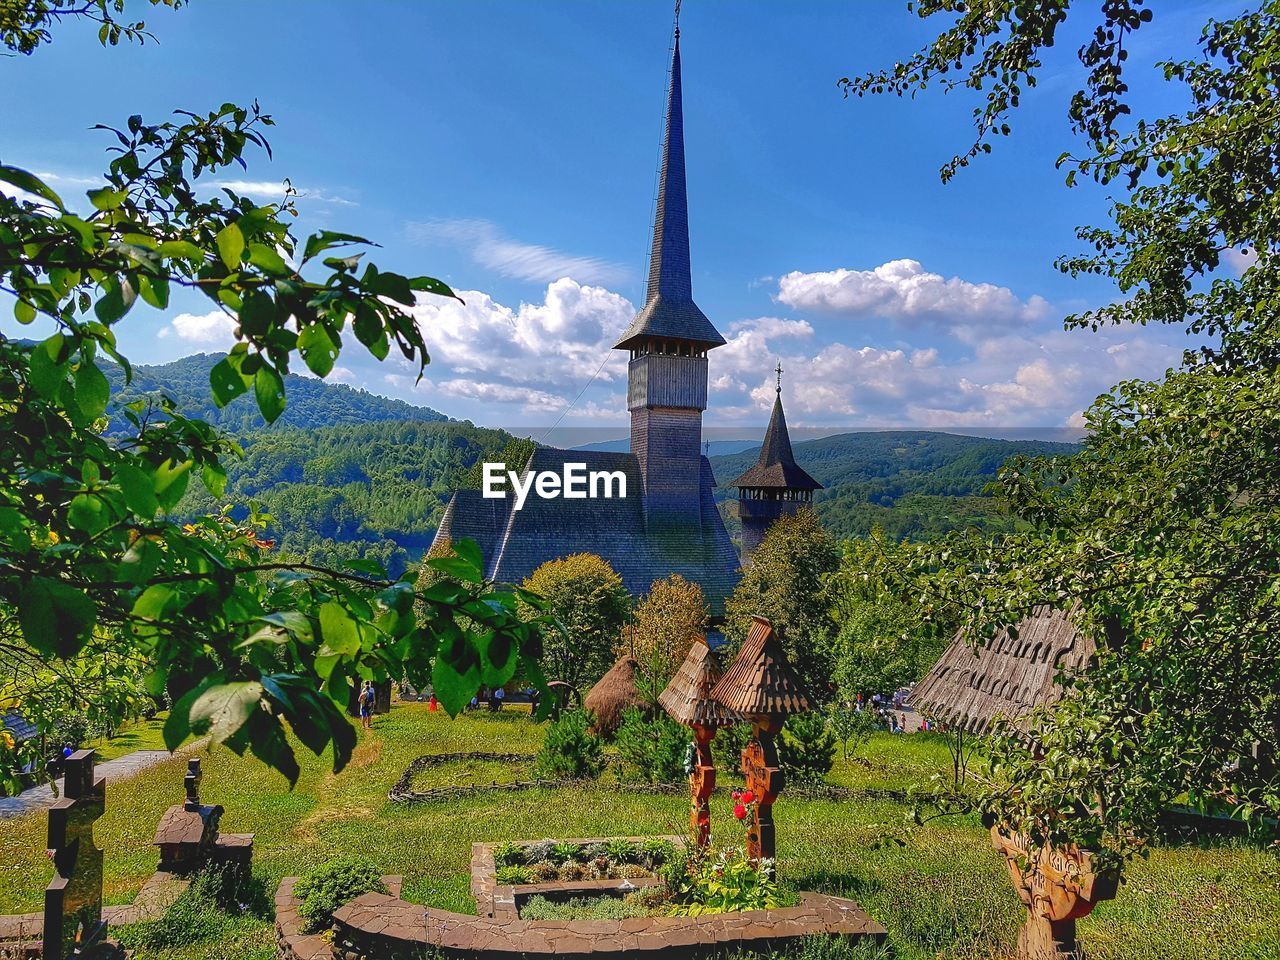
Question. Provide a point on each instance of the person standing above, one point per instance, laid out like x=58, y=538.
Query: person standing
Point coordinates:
x=367, y=698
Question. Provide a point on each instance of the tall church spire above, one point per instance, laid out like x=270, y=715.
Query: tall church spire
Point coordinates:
x=669, y=310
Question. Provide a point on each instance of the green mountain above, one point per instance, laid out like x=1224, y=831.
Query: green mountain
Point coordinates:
x=913, y=484
x=311, y=402
x=371, y=490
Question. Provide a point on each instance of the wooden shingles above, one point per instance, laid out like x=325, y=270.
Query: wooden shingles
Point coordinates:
x=760, y=681
x=688, y=697
x=1007, y=677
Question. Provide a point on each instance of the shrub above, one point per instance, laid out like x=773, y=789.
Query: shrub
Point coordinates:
x=806, y=748
x=219, y=903
x=651, y=750
x=564, y=851
x=508, y=854
x=323, y=890
x=727, y=746
x=570, y=750
x=654, y=852
x=620, y=851
x=544, y=872
x=726, y=882
x=514, y=875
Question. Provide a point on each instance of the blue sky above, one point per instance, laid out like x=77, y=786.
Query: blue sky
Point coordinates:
x=510, y=148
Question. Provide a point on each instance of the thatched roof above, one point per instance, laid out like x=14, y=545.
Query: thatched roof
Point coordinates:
x=615, y=692
x=687, y=698
x=1005, y=677
x=760, y=681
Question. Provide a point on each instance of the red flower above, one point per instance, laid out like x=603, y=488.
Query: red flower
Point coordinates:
x=748, y=797
x=739, y=811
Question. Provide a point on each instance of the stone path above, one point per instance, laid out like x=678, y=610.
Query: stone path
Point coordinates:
x=42, y=797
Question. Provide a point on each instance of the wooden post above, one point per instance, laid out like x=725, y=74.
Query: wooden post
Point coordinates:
x=765, y=780
x=1057, y=887
x=702, y=783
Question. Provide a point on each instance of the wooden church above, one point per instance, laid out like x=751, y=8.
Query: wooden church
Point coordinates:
x=668, y=521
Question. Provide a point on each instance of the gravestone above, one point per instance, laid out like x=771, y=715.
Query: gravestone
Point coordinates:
x=73, y=924
x=188, y=835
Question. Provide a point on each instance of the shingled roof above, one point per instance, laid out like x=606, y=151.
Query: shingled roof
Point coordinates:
x=1007, y=676
x=777, y=467
x=687, y=698
x=669, y=310
x=760, y=681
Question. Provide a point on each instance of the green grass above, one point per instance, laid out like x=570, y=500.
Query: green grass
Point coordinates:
x=145, y=734
x=944, y=893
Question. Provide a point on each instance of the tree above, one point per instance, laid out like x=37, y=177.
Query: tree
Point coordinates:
x=590, y=603
x=786, y=583
x=90, y=558
x=1165, y=529
x=881, y=642
x=669, y=618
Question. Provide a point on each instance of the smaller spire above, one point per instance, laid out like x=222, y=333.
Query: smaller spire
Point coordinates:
x=777, y=468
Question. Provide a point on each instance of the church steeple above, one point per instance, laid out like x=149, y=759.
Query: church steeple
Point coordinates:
x=669, y=310
x=776, y=485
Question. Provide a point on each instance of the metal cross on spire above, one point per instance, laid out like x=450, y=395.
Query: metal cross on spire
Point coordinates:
x=677, y=19
x=778, y=371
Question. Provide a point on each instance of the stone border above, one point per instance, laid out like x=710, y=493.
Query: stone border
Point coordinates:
x=384, y=927
x=291, y=942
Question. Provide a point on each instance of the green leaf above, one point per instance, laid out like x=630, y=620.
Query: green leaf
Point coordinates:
x=138, y=490
x=155, y=290
x=214, y=476
x=105, y=198
x=115, y=302
x=458, y=568
x=338, y=630
x=87, y=512
x=257, y=313
x=30, y=183
x=230, y=243
x=226, y=382
x=432, y=285
x=24, y=312
x=326, y=240
x=468, y=550
x=92, y=390
x=455, y=676
x=269, y=390
x=265, y=258
x=55, y=617
x=317, y=349
x=223, y=709
x=46, y=374
x=395, y=286
x=151, y=605
x=180, y=250
x=170, y=482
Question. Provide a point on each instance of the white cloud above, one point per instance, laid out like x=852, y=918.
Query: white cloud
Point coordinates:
x=1239, y=259
x=775, y=327
x=275, y=190
x=489, y=248
x=904, y=290
x=529, y=401
x=213, y=329
x=556, y=345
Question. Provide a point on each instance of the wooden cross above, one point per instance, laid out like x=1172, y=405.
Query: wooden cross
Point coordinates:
x=73, y=901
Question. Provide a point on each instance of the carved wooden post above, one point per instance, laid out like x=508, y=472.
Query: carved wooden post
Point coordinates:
x=1057, y=887
x=687, y=698
x=73, y=924
x=761, y=685
x=702, y=783
x=764, y=779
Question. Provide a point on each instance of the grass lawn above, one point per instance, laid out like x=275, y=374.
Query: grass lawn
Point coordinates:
x=942, y=894
x=145, y=734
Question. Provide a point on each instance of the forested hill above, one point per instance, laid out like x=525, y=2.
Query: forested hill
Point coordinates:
x=912, y=483
x=373, y=490
x=311, y=402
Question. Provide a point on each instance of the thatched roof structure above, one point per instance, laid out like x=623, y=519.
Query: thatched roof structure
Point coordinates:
x=615, y=692
x=687, y=698
x=760, y=681
x=1006, y=677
